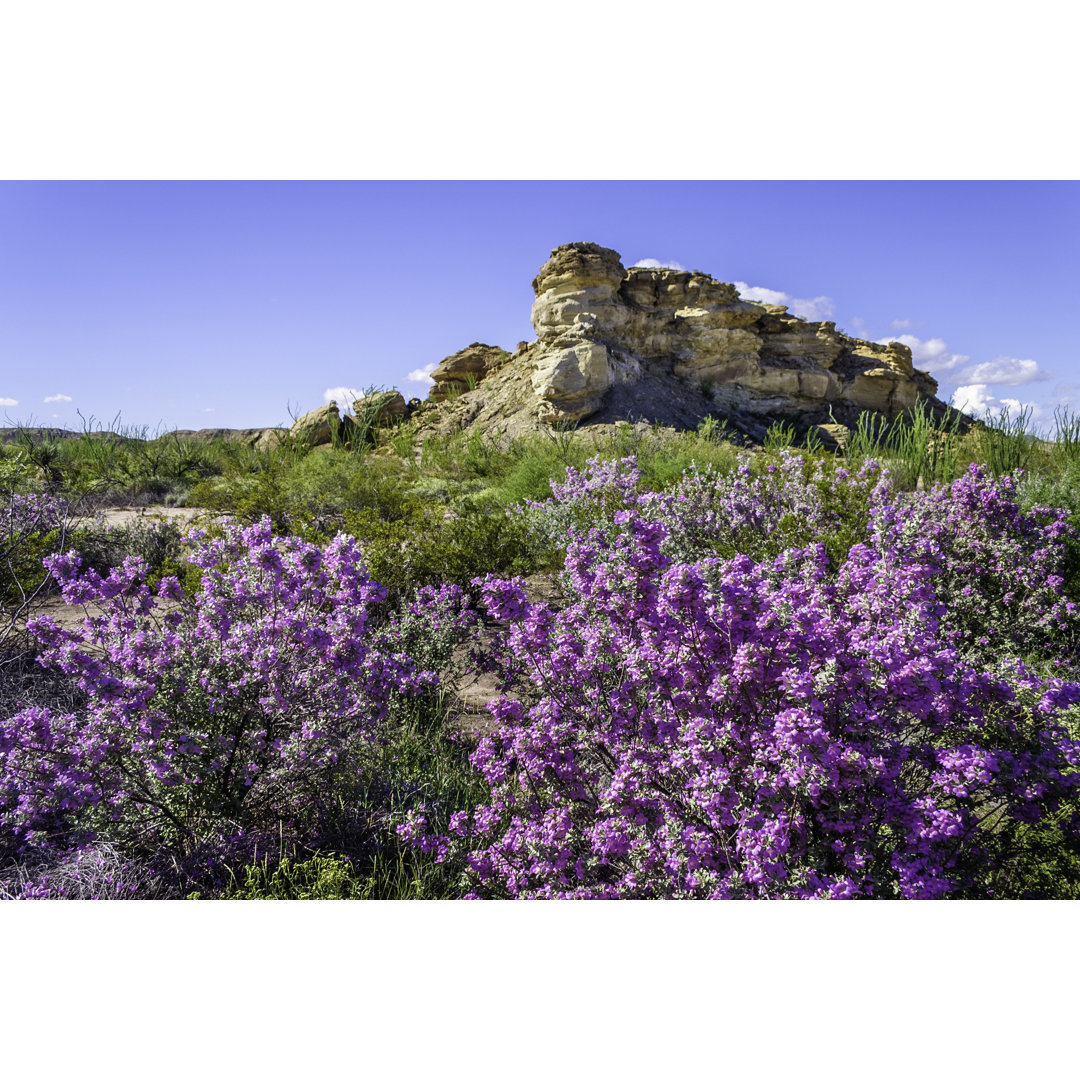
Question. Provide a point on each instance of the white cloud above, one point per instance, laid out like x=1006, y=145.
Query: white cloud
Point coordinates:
x=8, y=401
x=931, y=355
x=53, y=398
x=657, y=264
x=816, y=309
x=901, y=324
x=422, y=375
x=1004, y=371
x=209, y=408
x=343, y=395
x=977, y=400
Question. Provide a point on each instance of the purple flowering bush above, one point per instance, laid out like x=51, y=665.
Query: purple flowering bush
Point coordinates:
x=756, y=511
x=208, y=721
x=795, y=726
x=998, y=566
x=786, y=680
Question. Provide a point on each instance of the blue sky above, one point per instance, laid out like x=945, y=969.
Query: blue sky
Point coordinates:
x=228, y=304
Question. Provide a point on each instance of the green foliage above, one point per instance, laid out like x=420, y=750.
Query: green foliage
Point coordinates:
x=1005, y=442
x=778, y=437
x=918, y=451
x=429, y=510
x=1065, y=446
x=14, y=470
x=21, y=572
x=320, y=877
x=428, y=545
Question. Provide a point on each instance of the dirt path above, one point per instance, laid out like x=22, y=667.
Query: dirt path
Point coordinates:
x=126, y=516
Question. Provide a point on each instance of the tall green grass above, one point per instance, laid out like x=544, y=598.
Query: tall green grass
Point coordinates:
x=121, y=463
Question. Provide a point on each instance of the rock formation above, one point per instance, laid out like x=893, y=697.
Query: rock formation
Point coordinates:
x=320, y=426
x=465, y=369
x=671, y=346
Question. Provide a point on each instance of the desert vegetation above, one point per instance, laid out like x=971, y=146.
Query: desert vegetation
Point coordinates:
x=718, y=671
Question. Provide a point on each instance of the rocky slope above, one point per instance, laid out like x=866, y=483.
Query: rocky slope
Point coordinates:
x=669, y=346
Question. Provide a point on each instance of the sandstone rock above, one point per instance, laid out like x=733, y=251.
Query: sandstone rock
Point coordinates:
x=270, y=439
x=249, y=436
x=380, y=409
x=882, y=390
x=315, y=428
x=833, y=436
x=670, y=346
x=572, y=381
x=465, y=369
x=577, y=289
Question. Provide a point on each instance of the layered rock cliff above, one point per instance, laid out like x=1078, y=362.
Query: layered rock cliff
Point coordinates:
x=671, y=346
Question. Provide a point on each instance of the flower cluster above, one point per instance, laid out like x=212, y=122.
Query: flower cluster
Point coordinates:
x=997, y=565
x=787, y=504
x=22, y=514
x=231, y=710
x=793, y=726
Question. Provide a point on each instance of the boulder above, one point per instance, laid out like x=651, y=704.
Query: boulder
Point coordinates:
x=270, y=439
x=380, y=409
x=571, y=381
x=465, y=369
x=316, y=428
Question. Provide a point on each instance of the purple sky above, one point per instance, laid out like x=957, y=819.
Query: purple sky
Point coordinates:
x=226, y=304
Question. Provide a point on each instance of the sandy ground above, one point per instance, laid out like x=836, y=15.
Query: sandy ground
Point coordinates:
x=70, y=616
x=135, y=515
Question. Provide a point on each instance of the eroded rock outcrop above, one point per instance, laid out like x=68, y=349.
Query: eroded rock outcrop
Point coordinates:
x=464, y=370
x=316, y=428
x=613, y=341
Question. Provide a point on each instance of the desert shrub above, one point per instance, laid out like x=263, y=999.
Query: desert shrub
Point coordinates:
x=215, y=722
x=530, y=478
x=379, y=487
x=247, y=498
x=662, y=468
x=779, y=728
x=309, y=494
x=757, y=509
x=359, y=854
x=31, y=528
x=1060, y=489
x=431, y=546
x=998, y=567
x=324, y=479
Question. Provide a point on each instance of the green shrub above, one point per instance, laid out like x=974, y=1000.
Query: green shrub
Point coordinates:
x=21, y=572
x=320, y=877
x=430, y=546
